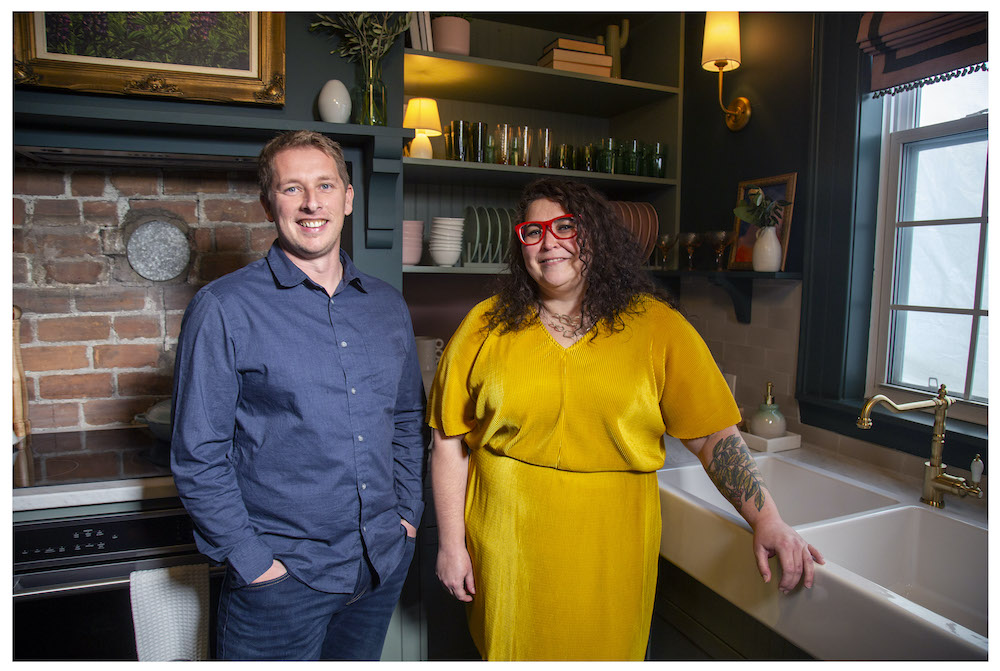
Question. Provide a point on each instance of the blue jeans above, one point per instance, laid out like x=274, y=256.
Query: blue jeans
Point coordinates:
x=284, y=619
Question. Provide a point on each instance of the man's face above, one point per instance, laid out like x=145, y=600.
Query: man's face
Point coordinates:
x=308, y=203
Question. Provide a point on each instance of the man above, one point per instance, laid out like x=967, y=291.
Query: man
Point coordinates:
x=298, y=444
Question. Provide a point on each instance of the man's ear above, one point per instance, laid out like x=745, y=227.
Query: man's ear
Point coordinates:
x=267, y=208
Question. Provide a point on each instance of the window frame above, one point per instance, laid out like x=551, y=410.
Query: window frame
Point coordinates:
x=902, y=114
x=843, y=172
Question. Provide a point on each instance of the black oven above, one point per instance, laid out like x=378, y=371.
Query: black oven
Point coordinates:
x=79, y=531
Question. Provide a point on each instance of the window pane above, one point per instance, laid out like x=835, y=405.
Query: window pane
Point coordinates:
x=954, y=99
x=980, y=373
x=944, y=178
x=984, y=301
x=936, y=265
x=929, y=349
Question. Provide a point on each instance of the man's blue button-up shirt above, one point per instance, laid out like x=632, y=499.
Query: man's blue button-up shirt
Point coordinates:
x=298, y=422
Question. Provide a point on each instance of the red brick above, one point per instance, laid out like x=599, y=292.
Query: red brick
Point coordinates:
x=229, y=209
x=75, y=272
x=58, y=212
x=202, y=239
x=114, y=411
x=183, y=182
x=111, y=299
x=231, y=239
x=86, y=183
x=100, y=212
x=126, y=356
x=173, y=323
x=83, y=385
x=214, y=266
x=43, y=301
x=262, y=238
x=34, y=182
x=67, y=242
x=23, y=243
x=244, y=182
x=140, y=326
x=54, y=415
x=177, y=296
x=72, y=329
x=136, y=183
x=46, y=358
x=144, y=384
x=20, y=210
x=185, y=209
x=20, y=272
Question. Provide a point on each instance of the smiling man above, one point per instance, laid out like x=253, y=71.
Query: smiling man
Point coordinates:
x=298, y=444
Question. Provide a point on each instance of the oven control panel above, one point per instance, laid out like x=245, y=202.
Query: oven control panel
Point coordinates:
x=71, y=541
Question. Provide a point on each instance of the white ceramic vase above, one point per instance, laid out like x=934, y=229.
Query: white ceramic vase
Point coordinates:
x=334, y=102
x=767, y=251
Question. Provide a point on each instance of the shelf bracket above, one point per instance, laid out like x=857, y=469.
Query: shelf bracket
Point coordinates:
x=740, y=291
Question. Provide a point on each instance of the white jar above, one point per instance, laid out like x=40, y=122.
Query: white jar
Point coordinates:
x=334, y=102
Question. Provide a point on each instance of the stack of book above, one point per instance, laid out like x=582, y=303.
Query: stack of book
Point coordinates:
x=576, y=56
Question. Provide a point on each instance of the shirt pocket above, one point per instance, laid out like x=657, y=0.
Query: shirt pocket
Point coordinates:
x=386, y=359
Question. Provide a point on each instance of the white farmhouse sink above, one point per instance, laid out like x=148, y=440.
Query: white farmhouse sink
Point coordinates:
x=901, y=582
x=803, y=495
x=920, y=554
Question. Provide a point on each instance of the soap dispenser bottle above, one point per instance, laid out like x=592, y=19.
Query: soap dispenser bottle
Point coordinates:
x=768, y=422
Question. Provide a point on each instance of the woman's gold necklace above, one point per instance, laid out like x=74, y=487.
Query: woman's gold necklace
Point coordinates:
x=565, y=325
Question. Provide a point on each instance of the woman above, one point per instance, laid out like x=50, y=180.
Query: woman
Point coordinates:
x=561, y=387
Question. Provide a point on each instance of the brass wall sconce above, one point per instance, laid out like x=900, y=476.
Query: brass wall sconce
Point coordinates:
x=721, y=51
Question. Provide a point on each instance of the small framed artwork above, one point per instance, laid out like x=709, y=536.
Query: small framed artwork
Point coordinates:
x=777, y=188
x=227, y=57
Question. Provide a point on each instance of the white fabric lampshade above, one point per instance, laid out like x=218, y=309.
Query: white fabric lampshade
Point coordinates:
x=722, y=41
x=422, y=115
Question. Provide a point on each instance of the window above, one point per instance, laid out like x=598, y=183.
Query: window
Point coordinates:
x=930, y=322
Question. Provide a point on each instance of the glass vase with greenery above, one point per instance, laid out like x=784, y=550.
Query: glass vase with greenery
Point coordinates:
x=365, y=39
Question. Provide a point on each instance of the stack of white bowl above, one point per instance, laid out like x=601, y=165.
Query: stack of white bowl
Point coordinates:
x=446, y=240
x=413, y=242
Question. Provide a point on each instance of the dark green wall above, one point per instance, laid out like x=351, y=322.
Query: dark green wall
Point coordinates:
x=308, y=65
x=776, y=76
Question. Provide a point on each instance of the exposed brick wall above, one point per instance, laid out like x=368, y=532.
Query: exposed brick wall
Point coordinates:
x=97, y=339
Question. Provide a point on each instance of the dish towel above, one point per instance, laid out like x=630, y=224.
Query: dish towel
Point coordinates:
x=170, y=613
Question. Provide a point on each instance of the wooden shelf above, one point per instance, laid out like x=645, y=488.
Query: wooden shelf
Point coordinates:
x=737, y=283
x=427, y=171
x=484, y=80
x=477, y=269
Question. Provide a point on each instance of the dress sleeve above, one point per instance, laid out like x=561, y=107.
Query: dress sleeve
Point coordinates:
x=451, y=406
x=696, y=400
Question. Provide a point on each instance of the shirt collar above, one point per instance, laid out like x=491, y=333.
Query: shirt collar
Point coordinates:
x=288, y=275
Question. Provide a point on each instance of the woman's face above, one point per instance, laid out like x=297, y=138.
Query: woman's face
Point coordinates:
x=554, y=264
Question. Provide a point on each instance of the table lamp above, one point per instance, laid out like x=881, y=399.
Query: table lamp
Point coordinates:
x=422, y=116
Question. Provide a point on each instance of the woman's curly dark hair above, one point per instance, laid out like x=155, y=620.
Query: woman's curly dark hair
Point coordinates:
x=610, y=253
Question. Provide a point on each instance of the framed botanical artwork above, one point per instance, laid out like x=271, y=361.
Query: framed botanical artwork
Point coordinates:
x=228, y=57
x=775, y=189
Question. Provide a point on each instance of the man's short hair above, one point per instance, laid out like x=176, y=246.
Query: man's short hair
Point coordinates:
x=291, y=140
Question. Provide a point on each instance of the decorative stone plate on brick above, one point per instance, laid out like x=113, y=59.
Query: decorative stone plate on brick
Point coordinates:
x=158, y=251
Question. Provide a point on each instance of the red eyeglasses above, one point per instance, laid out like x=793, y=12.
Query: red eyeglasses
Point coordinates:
x=562, y=227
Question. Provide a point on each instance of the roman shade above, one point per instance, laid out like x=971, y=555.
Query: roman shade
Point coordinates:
x=910, y=49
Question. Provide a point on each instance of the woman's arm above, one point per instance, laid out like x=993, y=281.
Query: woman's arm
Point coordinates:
x=449, y=476
x=728, y=462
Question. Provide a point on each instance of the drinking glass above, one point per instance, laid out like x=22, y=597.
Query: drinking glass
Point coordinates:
x=461, y=133
x=690, y=241
x=503, y=136
x=719, y=240
x=665, y=243
x=545, y=149
x=566, y=156
x=478, y=132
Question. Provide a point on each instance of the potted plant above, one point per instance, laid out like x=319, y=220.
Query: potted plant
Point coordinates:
x=365, y=39
x=759, y=210
x=451, y=33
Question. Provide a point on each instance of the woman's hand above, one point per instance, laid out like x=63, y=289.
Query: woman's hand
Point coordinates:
x=796, y=557
x=454, y=570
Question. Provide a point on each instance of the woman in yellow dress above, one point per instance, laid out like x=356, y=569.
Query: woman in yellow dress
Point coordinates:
x=548, y=409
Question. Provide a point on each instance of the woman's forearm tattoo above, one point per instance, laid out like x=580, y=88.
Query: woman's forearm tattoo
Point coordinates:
x=735, y=473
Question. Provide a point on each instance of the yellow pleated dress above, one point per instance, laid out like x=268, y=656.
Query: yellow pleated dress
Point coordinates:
x=562, y=508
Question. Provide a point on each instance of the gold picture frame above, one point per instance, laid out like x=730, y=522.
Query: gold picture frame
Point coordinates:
x=260, y=82
x=781, y=187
